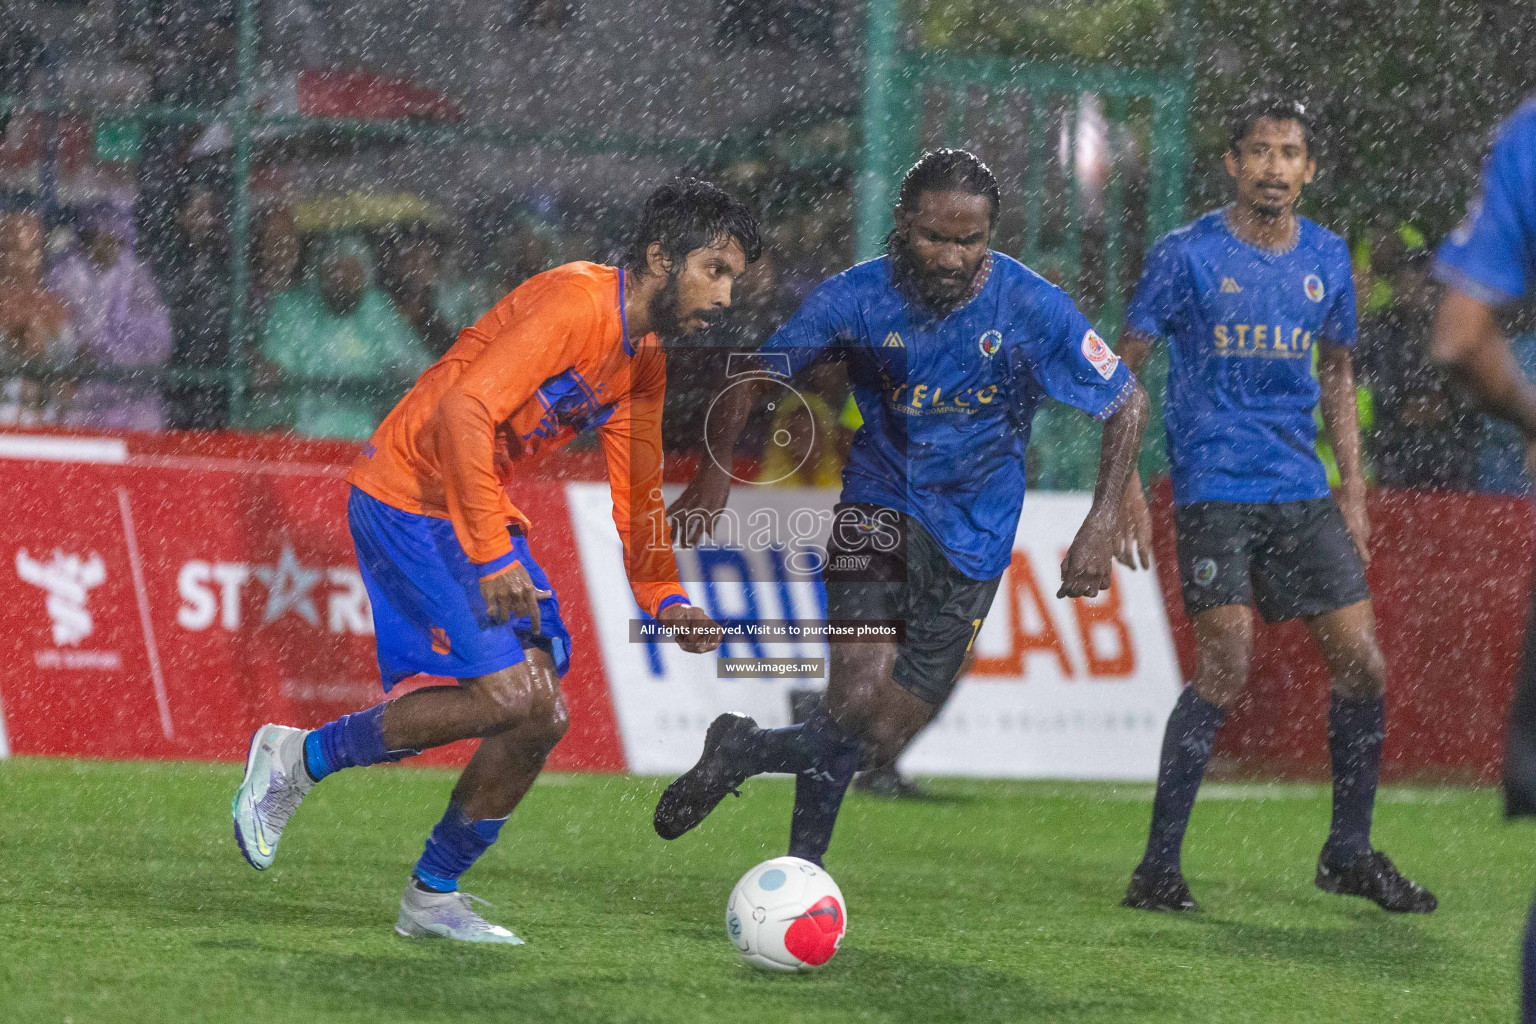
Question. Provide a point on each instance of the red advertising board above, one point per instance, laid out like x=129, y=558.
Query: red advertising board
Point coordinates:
x=1451, y=579
x=166, y=594
x=164, y=605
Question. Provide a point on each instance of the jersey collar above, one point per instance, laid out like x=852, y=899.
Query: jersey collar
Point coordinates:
x=629, y=349
x=1226, y=225
x=978, y=285
x=983, y=275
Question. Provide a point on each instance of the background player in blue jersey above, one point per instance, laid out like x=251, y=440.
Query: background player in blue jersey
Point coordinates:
x=950, y=348
x=1247, y=296
x=1487, y=263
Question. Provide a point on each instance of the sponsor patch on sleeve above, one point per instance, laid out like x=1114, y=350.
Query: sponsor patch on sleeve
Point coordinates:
x=1099, y=354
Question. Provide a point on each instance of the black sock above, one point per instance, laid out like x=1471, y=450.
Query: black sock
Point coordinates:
x=1187, y=746
x=819, y=795
x=799, y=748
x=823, y=757
x=1355, y=731
x=1528, y=970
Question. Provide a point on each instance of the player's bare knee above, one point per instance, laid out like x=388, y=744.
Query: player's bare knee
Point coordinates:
x=547, y=725
x=854, y=703
x=884, y=737
x=1363, y=677
x=502, y=702
x=1220, y=680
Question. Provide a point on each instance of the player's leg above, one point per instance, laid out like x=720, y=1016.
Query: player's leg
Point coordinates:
x=490, y=788
x=878, y=773
x=1307, y=567
x=863, y=581
x=1356, y=728
x=1213, y=546
x=884, y=701
x=285, y=763
x=1520, y=794
x=1356, y=723
x=1223, y=649
x=735, y=749
x=428, y=618
x=869, y=702
x=859, y=687
x=874, y=690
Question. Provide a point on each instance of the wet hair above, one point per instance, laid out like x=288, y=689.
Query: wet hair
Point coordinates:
x=1242, y=117
x=949, y=170
x=687, y=214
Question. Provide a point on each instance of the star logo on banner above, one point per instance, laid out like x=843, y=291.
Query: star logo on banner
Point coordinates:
x=288, y=585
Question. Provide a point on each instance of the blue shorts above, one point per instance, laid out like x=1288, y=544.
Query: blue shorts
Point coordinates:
x=428, y=613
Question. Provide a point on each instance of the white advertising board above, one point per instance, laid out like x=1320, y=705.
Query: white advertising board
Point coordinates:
x=1059, y=689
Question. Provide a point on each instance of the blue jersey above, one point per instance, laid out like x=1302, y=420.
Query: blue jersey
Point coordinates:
x=1242, y=323
x=1491, y=255
x=947, y=401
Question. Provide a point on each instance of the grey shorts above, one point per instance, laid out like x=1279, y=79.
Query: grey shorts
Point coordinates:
x=1290, y=559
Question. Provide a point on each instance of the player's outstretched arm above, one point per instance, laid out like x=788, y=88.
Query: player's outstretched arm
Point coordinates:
x=1470, y=347
x=1341, y=416
x=1133, y=546
x=1086, y=569
x=692, y=516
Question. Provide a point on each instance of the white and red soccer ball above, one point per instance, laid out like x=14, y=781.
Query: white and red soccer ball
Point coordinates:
x=786, y=914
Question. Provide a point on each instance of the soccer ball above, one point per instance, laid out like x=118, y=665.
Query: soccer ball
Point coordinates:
x=786, y=914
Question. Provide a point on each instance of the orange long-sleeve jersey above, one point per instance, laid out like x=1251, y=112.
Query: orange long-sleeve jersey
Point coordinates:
x=550, y=360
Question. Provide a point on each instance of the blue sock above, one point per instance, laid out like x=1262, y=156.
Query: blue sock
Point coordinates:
x=1187, y=747
x=1355, y=731
x=824, y=757
x=455, y=844
x=351, y=741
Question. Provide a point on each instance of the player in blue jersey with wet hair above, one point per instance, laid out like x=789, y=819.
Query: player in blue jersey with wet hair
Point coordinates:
x=1488, y=264
x=950, y=348
x=1248, y=297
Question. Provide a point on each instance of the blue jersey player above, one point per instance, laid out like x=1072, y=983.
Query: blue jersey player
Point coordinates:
x=950, y=348
x=1489, y=263
x=1248, y=296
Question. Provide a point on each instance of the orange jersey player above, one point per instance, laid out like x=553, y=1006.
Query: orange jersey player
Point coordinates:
x=444, y=550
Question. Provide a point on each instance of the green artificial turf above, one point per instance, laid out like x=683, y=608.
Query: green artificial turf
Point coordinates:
x=123, y=898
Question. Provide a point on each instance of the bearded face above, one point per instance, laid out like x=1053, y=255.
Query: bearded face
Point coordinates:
x=938, y=248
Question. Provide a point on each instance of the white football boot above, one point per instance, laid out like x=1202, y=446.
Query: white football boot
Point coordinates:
x=275, y=781
x=447, y=915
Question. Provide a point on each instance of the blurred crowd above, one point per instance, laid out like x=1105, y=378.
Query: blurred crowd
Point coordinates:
x=99, y=330
x=349, y=299
x=115, y=311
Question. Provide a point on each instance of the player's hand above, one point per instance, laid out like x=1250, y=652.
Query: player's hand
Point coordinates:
x=692, y=516
x=1352, y=504
x=512, y=594
x=703, y=635
x=1133, y=545
x=1086, y=569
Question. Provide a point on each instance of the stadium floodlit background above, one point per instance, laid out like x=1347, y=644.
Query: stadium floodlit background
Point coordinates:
x=210, y=193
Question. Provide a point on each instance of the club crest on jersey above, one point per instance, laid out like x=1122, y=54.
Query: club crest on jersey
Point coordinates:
x=1314, y=287
x=893, y=340
x=1099, y=354
x=1205, y=571
x=990, y=342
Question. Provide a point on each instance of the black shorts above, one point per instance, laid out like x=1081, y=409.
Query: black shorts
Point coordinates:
x=1290, y=559
x=882, y=564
